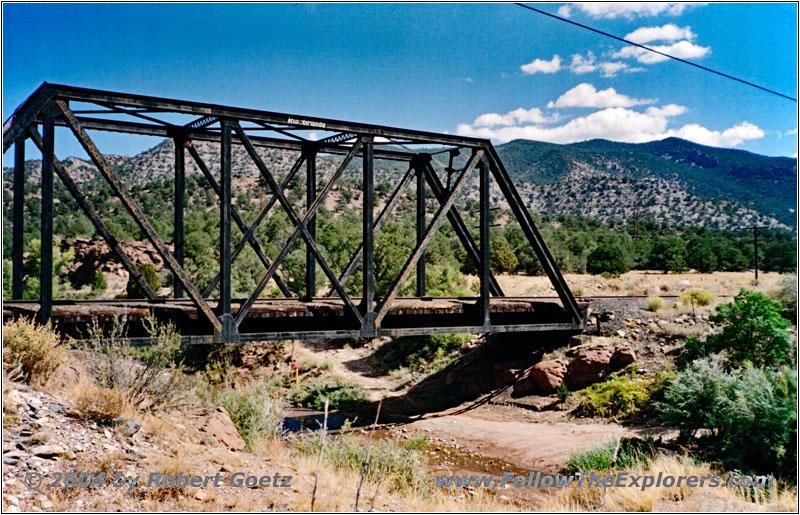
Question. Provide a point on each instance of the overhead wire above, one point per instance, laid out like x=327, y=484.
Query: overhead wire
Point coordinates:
x=705, y=68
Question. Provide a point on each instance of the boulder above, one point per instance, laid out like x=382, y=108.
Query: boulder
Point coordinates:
x=524, y=386
x=504, y=373
x=588, y=367
x=216, y=424
x=622, y=357
x=126, y=426
x=548, y=375
x=47, y=451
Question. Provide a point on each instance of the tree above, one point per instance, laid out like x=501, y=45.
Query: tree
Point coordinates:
x=701, y=256
x=753, y=330
x=668, y=254
x=501, y=259
x=607, y=257
x=149, y=274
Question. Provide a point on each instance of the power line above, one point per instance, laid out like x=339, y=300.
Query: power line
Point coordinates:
x=656, y=51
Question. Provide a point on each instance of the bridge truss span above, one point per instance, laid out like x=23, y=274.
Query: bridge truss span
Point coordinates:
x=440, y=170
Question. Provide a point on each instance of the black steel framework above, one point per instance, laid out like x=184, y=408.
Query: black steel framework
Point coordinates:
x=51, y=106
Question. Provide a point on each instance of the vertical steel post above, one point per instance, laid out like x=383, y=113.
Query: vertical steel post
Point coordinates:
x=311, y=196
x=755, y=248
x=177, y=231
x=46, y=261
x=18, y=230
x=225, y=231
x=483, y=170
x=420, y=229
x=368, y=235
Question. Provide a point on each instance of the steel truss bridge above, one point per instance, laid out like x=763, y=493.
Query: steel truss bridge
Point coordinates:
x=202, y=319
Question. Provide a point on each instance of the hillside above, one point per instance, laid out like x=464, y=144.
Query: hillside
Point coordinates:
x=671, y=181
x=666, y=178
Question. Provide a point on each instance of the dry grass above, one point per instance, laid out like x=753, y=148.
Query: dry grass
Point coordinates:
x=32, y=350
x=97, y=403
x=578, y=499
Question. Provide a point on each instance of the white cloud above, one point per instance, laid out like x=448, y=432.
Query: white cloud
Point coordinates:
x=627, y=10
x=469, y=79
x=668, y=32
x=581, y=65
x=542, y=66
x=727, y=138
x=516, y=116
x=586, y=95
x=682, y=49
x=616, y=124
x=791, y=132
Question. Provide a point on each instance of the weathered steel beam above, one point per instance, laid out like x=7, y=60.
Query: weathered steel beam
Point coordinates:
x=460, y=229
x=17, y=124
x=46, y=259
x=434, y=225
x=484, y=272
x=300, y=227
x=133, y=208
x=94, y=217
x=252, y=239
x=369, y=324
x=525, y=221
x=18, y=230
x=178, y=203
x=421, y=224
x=298, y=122
x=382, y=217
x=311, y=196
x=224, y=194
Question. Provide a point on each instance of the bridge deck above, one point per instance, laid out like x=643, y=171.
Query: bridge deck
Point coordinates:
x=320, y=317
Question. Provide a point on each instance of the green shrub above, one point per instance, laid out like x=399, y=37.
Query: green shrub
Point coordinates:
x=630, y=453
x=752, y=413
x=696, y=297
x=753, y=330
x=618, y=397
x=417, y=352
x=32, y=350
x=149, y=274
x=256, y=411
x=313, y=392
x=148, y=377
x=786, y=294
x=654, y=303
x=608, y=257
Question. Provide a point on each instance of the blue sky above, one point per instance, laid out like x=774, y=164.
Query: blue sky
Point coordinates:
x=473, y=69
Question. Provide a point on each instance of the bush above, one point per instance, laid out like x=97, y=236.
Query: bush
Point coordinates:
x=149, y=274
x=148, y=378
x=417, y=352
x=752, y=413
x=607, y=257
x=618, y=397
x=654, y=303
x=98, y=404
x=631, y=452
x=341, y=395
x=696, y=297
x=786, y=294
x=403, y=468
x=256, y=411
x=33, y=350
x=753, y=330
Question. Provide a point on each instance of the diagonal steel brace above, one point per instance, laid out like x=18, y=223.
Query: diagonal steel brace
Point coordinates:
x=300, y=226
x=133, y=208
x=438, y=218
x=94, y=217
x=253, y=240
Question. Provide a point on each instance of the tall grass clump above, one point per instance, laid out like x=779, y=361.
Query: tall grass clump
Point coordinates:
x=32, y=351
x=631, y=452
x=403, y=468
x=311, y=393
x=148, y=378
x=256, y=411
x=654, y=303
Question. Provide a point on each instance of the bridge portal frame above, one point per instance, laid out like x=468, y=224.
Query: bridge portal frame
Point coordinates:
x=50, y=106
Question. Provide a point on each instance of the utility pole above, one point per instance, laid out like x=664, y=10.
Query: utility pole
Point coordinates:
x=755, y=247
